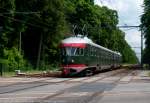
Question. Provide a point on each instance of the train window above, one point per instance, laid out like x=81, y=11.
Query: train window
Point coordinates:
x=86, y=51
x=91, y=51
x=77, y=51
x=95, y=52
x=81, y=51
x=70, y=51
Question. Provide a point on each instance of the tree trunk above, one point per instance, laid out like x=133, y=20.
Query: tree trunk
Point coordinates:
x=39, y=51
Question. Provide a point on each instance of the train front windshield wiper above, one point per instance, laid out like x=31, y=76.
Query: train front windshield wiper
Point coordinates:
x=70, y=51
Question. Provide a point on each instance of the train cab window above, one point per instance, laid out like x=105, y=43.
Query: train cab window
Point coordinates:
x=70, y=51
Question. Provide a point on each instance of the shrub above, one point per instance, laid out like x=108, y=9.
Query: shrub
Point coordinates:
x=13, y=59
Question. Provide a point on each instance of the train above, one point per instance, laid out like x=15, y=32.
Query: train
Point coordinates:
x=79, y=55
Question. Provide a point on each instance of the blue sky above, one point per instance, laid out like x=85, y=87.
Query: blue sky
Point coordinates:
x=129, y=12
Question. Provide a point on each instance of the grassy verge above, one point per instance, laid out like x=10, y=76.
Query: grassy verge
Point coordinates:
x=149, y=74
x=8, y=74
x=12, y=74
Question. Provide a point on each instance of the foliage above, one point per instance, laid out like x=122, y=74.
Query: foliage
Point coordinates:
x=145, y=26
x=13, y=59
x=6, y=24
x=102, y=27
x=41, y=32
x=47, y=29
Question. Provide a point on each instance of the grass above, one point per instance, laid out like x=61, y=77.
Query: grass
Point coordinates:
x=149, y=74
x=12, y=74
x=8, y=74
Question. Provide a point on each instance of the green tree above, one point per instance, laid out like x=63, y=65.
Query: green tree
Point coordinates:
x=45, y=28
x=145, y=27
x=42, y=31
x=7, y=6
x=102, y=28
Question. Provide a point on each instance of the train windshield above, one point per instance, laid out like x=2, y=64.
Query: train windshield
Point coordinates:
x=71, y=51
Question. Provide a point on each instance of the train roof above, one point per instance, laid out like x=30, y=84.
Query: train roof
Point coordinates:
x=85, y=40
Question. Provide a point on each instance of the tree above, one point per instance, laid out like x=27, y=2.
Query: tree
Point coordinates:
x=46, y=30
x=102, y=28
x=145, y=26
x=7, y=6
x=43, y=30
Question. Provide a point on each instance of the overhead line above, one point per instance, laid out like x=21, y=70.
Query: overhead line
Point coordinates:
x=12, y=12
x=128, y=26
x=135, y=47
x=21, y=21
x=125, y=29
x=28, y=16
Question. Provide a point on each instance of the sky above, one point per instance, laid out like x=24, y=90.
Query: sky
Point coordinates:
x=129, y=12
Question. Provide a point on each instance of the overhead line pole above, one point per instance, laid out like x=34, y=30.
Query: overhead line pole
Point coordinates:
x=141, y=48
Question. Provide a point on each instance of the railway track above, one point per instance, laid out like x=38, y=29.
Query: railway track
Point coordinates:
x=28, y=85
x=74, y=83
x=121, y=73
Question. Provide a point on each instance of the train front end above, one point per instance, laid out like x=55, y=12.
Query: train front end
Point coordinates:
x=72, y=54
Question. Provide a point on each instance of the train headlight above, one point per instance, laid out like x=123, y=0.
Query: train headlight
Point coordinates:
x=72, y=61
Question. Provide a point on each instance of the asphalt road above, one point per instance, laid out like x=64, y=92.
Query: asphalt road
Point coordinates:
x=119, y=86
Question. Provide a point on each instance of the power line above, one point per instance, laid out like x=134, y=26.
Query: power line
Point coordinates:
x=26, y=13
x=137, y=47
x=126, y=26
x=125, y=29
x=21, y=21
x=17, y=12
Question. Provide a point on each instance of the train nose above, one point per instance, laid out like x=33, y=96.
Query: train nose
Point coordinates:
x=67, y=60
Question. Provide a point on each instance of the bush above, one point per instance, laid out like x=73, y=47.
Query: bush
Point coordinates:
x=48, y=66
x=13, y=60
